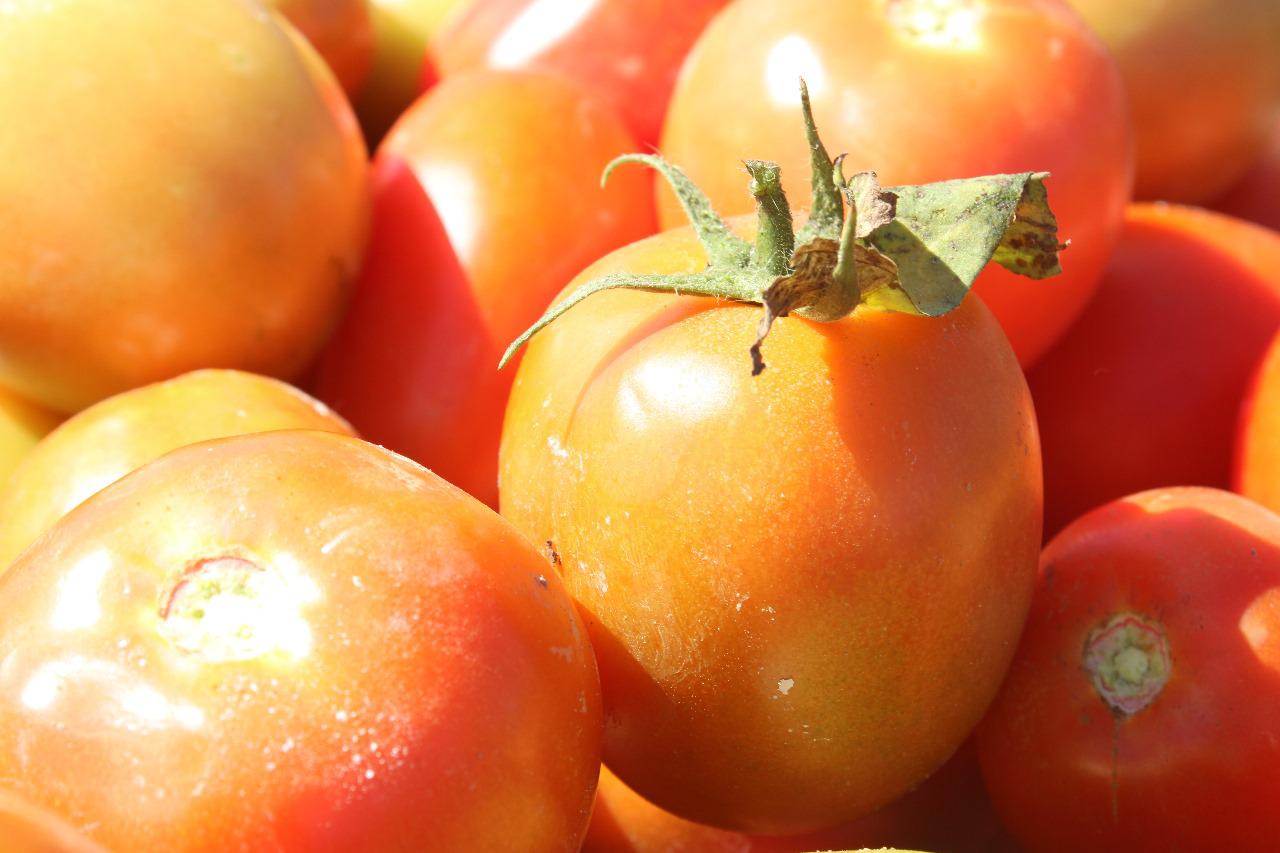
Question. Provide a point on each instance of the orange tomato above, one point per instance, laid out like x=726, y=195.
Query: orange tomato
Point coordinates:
x=296, y=641
x=27, y=829
x=339, y=30
x=197, y=203
x=1257, y=450
x=785, y=576
x=1202, y=80
x=109, y=439
x=919, y=90
x=22, y=424
x=487, y=202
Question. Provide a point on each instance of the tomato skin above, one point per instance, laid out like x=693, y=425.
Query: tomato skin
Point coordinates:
x=1256, y=196
x=22, y=425
x=1145, y=389
x=916, y=111
x=1198, y=768
x=1256, y=473
x=473, y=237
x=627, y=52
x=102, y=443
x=200, y=203
x=341, y=32
x=1184, y=58
x=27, y=829
x=745, y=547
x=414, y=678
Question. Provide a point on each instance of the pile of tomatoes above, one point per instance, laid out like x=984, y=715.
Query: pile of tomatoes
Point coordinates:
x=288, y=563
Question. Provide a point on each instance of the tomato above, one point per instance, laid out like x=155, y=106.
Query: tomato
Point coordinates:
x=487, y=201
x=1144, y=391
x=198, y=203
x=627, y=52
x=771, y=590
x=109, y=439
x=320, y=647
x=22, y=424
x=1256, y=473
x=340, y=30
x=27, y=829
x=1256, y=196
x=401, y=30
x=1203, y=85
x=919, y=91
x=1140, y=710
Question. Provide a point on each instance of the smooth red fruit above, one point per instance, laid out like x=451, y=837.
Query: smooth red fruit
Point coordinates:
x=341, y=32
x=1256, y=196
x=1145, y=389
x=1140, y=710
x=1257, y=457
x=487, y=202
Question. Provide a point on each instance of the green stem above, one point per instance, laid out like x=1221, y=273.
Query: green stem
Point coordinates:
x=775, y=241
x=826, y=212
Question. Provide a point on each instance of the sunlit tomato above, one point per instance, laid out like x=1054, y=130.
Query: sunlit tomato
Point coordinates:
x=401, y=30
x=1257, y=459
x=1140, y=710
x=296, y=640
x=487, y=201
x=919, y=90
x=1145, y=389
x=22, y=424
x=625, y=51
x=1256, y=196
x=109, y=439
x=340, y=30
x=27, y=829
x=198, y=203
x=1203, y=85
x=789, y=575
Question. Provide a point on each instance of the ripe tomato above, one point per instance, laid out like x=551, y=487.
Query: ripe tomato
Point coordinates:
x=109, y=439
x=919, y=91
x=1203, y=86
x=321, y=647
x=27, y=829
x=339, y=30
x=487, y=201
x=22, y=424
x=627, y=52
x=1257, y=458
x=770, y=594
x=1140, y=710
x=1256, y=196
x=197, y=203
x=1145, y=389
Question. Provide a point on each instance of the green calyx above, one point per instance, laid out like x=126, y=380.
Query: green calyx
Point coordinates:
x=910, y=249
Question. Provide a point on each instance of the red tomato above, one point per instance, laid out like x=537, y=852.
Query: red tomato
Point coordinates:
x=1140, y=710
x=320, y=647
x=627, y=52
x=1203, y=85
x=109, y=439
x=770, y=591
x=487, y=201
x=27, y=829
x=1256, y=196
x=181, y=190
x=1145, y=389
x=1257, y=460
x=339, y=30
x=919, y=91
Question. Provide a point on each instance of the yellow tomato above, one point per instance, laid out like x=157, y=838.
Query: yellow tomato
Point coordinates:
x=22, y=424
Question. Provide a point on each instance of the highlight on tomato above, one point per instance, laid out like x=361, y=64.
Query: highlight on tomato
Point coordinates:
x=197, y=203
x=22, y=425
x=920, y=90
x=296, y=641
x=628, y=53
x=487, y=201
x=1202, y=82
x=102, y=443
x=27, y=829
x=1145, y=389
x=747, y=507
x=1256, y=473
x=339, y=30
x=1140, y=709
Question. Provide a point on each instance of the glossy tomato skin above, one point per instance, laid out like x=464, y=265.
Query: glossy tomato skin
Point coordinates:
x=1193, y=58
x=487, y=202
x=627, y=52
x=341, y=32
x=322, y=647
x=1257, y=451
x=102, y=443
x=27, y=829
x=757, y=556
x=919, y=92
x=200, y=203
x=1145, y=389
x=1256, y=196
x=1199, y=767
x=22, y=425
